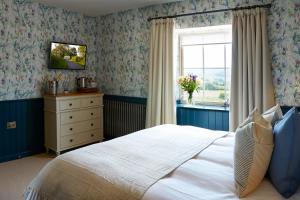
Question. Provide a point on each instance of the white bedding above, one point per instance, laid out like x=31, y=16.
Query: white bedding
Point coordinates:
x=208, y=176
x=124, y=168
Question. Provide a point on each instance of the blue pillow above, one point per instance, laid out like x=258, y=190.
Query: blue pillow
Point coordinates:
x=284, y=169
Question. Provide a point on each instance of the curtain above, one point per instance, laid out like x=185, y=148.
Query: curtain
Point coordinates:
x=251, y=75
x=161, y=98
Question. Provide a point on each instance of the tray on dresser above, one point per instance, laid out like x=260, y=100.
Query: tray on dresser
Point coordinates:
x=87, y=90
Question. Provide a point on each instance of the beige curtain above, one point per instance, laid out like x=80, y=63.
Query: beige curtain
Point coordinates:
x=161, y=98
x=251, y=76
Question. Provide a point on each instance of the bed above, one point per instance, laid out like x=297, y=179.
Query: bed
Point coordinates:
x=162, y=163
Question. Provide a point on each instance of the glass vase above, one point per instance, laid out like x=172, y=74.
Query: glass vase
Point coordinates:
x=190, y=98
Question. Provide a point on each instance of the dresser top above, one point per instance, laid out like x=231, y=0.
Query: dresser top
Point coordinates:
x=73, y=94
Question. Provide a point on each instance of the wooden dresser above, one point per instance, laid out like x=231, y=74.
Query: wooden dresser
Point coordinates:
x=73, y=120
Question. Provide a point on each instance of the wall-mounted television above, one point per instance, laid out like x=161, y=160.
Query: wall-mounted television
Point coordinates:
x=67, y=56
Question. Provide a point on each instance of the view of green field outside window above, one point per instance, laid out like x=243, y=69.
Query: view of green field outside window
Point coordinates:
x=211, y=62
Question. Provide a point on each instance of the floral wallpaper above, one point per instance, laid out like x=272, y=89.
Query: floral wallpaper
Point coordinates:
x=118, y=44
x=124, y=41
x=124, y=44
x=284, y=36
x=26, y=30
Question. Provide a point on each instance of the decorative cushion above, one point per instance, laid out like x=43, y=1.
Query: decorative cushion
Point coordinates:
x=252, y=153
x=284, y=170
x=273, y=114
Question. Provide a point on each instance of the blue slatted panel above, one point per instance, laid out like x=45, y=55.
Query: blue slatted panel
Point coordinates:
x=219, y=121
x=225, y=120
x=206, y=118
x=28, y=137
x=8, y=142
x=201, y=119
x=212, y=120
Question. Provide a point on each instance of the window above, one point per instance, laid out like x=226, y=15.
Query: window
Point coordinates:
x=206, y=52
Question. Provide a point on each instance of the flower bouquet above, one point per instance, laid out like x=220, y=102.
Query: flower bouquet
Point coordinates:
x=189, y=83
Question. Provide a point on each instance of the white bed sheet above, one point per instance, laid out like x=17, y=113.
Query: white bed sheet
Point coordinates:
x=208, y=176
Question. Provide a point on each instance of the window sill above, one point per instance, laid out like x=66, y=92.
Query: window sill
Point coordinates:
x=203, y=107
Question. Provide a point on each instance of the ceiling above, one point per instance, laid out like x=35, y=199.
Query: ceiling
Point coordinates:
x=101, y=7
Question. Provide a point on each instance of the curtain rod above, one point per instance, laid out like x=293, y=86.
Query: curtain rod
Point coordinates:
x=211, y=11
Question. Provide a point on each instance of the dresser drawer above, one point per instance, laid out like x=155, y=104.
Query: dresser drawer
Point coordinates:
x=91, y=101
x=78, y=139
x=69, y=104
x=81, y=115
x=73, y=128
x=94, y=136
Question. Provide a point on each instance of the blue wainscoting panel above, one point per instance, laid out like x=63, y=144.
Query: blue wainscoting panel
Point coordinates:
x=28, y=136
x=211, y=117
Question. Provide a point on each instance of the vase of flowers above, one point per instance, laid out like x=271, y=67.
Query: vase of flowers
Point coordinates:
x=189, y=84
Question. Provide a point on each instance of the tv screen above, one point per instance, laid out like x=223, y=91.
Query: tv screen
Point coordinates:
x=67, y=56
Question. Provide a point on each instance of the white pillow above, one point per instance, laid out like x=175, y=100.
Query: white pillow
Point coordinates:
x=273, y=114
x=252, y=152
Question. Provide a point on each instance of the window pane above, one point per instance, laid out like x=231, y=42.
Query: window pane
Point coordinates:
x=214, y=38
x=198, y=72
x=198, y=96
x=192, y=57
x=192, y=39
x=214, y=85
x=214, y=56
x=228, y=55
x=205, y=35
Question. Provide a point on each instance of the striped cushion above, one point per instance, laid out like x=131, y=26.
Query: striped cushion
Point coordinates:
x=252, y=153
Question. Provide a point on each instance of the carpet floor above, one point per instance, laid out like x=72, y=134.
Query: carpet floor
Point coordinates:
x=16, y=175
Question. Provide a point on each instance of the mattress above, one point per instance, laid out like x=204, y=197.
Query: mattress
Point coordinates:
x=208, y=176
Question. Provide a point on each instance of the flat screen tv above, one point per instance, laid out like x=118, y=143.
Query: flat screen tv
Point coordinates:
x=67, y=56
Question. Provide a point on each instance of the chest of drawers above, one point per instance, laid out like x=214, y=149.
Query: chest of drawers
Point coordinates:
x=73, y=120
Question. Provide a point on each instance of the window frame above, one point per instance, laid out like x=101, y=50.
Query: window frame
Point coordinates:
x=181, y=46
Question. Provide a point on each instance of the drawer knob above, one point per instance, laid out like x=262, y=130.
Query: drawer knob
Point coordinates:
x=71, y=117
x=92, y=101
x=92, y=124
x=71, y=129
x=71, y=140
x=92, y=114
x=70, y=104
x=92, y=135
